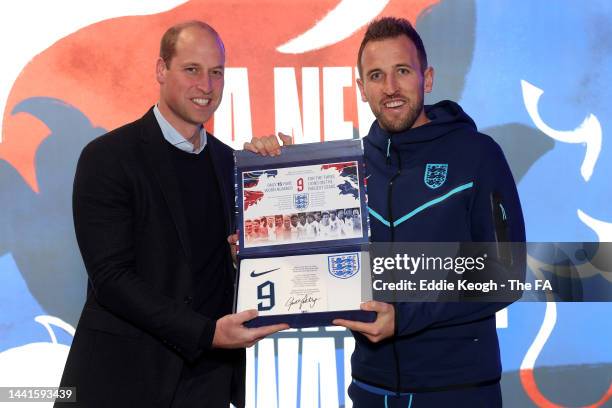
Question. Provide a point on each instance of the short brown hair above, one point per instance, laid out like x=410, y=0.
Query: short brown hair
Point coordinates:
x=391, y=27
x=167, y=46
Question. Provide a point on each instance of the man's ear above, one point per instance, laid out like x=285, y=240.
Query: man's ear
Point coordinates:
x=428, y=77
x=160, y=70
x=361, y=91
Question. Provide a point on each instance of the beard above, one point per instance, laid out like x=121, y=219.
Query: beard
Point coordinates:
x=404, y=122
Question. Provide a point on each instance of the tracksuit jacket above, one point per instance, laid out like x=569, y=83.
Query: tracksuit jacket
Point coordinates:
x=466, y=188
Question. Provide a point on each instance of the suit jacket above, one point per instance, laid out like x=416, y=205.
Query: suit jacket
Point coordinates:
x=138, y=327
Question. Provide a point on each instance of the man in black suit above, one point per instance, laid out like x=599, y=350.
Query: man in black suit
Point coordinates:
x=153, y=204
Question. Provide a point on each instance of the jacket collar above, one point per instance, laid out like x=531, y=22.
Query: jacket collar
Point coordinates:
x=445, y=117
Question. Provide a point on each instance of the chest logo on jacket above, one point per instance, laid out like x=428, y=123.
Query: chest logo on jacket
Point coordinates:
x=435, y=175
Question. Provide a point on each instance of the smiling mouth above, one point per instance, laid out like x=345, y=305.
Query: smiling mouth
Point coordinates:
x=201, y=101
x=394, y=104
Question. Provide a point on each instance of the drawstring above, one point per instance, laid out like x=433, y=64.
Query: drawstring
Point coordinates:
x=409, y=401
x=388, y=151
x=503, y=212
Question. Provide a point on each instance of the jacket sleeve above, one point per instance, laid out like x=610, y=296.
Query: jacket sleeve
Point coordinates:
x=104, y=217
x=493, y=180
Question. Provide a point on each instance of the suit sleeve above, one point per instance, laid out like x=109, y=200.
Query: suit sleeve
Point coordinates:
x=104, y=219
x=493, y=179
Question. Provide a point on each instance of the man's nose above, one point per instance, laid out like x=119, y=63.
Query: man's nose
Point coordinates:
x=205, y=83
x=390, y=85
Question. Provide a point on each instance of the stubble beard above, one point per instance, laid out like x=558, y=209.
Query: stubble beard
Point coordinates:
x=403, y=123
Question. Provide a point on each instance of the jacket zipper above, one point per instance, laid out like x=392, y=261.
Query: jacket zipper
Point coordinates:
x=392, y=230
x=390, y=186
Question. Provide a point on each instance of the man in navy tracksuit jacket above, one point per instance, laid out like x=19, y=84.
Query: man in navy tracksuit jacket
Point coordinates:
x=431, y=178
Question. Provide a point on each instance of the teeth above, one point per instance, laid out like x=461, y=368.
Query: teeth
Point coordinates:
x=201, y=101
x=394, y=104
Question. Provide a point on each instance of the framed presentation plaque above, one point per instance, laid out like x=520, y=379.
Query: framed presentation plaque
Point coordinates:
x=303, y=234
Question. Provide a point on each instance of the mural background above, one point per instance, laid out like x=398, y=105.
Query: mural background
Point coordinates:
x=536, y=76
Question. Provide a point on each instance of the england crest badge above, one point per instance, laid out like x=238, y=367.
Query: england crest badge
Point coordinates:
x=300, y=201
x=343, y=266
x=435, y=175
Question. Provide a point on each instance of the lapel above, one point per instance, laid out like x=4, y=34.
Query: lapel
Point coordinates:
x=222, y=163
x=217, y=159
x=156, y=152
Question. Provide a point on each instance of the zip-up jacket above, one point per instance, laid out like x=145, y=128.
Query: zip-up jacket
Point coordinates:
x=437, y=183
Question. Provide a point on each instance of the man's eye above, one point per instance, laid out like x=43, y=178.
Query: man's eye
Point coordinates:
x=375, y=76
x=191, y=70
x=218, y=73
x=403, y=71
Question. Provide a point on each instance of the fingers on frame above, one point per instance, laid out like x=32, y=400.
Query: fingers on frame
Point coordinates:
x=260, y=146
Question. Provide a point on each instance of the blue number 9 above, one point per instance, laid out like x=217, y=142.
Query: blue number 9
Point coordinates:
x=265, y=292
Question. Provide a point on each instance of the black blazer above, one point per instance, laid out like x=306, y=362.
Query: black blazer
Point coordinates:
x=138, y=327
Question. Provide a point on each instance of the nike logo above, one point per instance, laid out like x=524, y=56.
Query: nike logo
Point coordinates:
x=254, y=275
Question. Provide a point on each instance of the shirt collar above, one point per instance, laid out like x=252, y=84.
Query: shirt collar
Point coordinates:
x=177, y=140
